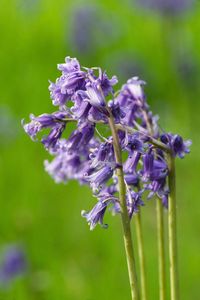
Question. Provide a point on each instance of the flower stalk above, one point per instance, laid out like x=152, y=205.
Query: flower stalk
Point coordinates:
x=124, y=213
x=173, y=257
x=161, y=250
x=141, y=256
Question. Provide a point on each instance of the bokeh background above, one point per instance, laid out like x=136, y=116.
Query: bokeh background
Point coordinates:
x=127, y=38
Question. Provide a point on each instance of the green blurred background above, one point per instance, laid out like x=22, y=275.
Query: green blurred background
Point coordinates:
x=66, y=260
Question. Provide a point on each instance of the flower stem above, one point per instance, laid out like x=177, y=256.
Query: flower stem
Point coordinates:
x=124, y=213
x=161, y=250
x=141, y=255
x=172, y=230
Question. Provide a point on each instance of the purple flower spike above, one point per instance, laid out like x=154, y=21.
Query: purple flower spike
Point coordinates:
x=86, y=97
x=13, y=264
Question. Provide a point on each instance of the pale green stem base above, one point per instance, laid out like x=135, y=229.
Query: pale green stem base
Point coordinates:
x=124, y=213
x=172, y=230
x=161, y=250
x=138, y=224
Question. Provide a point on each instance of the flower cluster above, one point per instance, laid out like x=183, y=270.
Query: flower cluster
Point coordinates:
x=86, y=98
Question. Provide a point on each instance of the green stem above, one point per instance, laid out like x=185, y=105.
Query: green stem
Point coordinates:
x=141, y=255
x=124, y=213
x=161, y=250
x=172, y=230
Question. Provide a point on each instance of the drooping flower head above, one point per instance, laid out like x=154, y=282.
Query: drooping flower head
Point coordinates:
x=86, y=98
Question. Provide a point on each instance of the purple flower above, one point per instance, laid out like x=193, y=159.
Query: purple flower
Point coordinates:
x=63, y=167
x=106, y=83
x=96, y=215
x=99, y=177
x=58, y=97
x=159, y=187
x=13, y=264
x=87, y=154
x=80, y=137
x=153, y=169
x=96, y=97
x=44, y=121
x=132, y=179
x=176, y=143
x=56, y=121
x=133, y=143
x=91, y=28
x=103, y=155
x=134, y=86
x=81, y=107
x=71, y=65
x=117, y=111
x=72, y=80
x=134, y=201
x=132, y=100
x=82, y=28
x=131, y=163
x=167, y=7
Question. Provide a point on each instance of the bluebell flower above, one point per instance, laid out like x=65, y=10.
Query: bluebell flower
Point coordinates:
x=72, y=79
x=153, y=169
x=103, y=155
x=56, y=121
x=176, y=144
x=135, y=87
x=132, y=161
x=12, y=265
x=80, y=137
x=134, y=201
x=106, y=83
x=132, y=179
x=99, y=177
x=63, y=167
x=81, y=107
x=95, y=96
x=71, y=65
x=96, y=215
x=86, y=96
